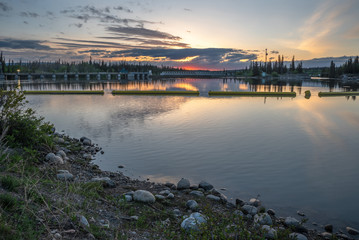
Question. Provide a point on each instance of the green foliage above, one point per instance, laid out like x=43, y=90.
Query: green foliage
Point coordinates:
x=157, y=92
x=64, y=92
x=7, y=201
x=253, y=94
x=23, y=128
x=6, y=233
x=9, y=183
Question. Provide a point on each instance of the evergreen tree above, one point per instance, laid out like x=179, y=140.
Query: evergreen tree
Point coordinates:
x=292, y=65
x=332, y=70
x=300, y=67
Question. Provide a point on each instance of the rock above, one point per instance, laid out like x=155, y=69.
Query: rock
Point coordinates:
x=291, y=222
x=205, y=185
x=214, y=198
x=240, y=202
x=270, y=233
x=301, y=213
x=192, y=204
x=165, y=192
x=223, y=197
x=329, y=228
x=64, y=175
x=326, y=235
x=130, y=193
x=90, y=236
x=238, y=212
x=197, y=193
x=84, y=222
x=128, y=198
x=271, y=212
x=61, y=153
x=120, y=166
x=87, y=156
x=160, y=197
x=254, y=202
x=59, y=140
x=170, y=185
x=144, y=196
x=263, y=219
x=249, y=209
x=135, y=218
x=298, y=236
x=343, y=236
x=352, y=231
x=104, y=223
x=57, y=236
x=183, y=184
x=194, y=187
x=177, y=212
x=193, y=222
x=53, y=159
x=85, y=141
x=106, y=182
x=171, y=196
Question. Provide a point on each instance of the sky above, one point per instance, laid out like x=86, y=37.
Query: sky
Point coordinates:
x=193, y=34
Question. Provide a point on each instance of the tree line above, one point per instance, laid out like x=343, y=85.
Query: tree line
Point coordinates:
x=349, y=67
x=275, y=68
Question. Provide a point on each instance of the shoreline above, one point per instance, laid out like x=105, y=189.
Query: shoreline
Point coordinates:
x=78, y=163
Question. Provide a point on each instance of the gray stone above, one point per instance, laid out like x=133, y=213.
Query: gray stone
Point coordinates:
x=270, y=233
x=170, y=185
x=86, y=141
x=177, y=212
x=329, y=228
x=343, y=236
x=301, y=213
x=326, y=235
x=238, y=212
x=84, y=222
x=205, y=185
x=263, y=219
x=128, y=198
x=106, y=181
x=249, y=209
x=64, y=175
x=87, y=156
x=104, y=223
x=57, y=236
x=223, y=197
x=254, y=202
x=271, y=212
x=352, y=231
x=171, y=196
x=135, y=218
x=240, y=202
x=291, y=222
x=160, y=197
x=197, y=193
x=59, y=140
x=165, y=192
x=193, y=222
x=194, y=187
x=183, y=184
x=144, y=196
x=130, y=193
x=192, y=204
x=214, y=198
x=53, y=159
x=61, y=153
x=298, y=236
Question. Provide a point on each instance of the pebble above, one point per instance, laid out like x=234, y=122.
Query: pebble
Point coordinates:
x=135, y=218
x=193, y=221
x=121, y=166
x=298, y=236
x=352, y=231
x=170, y=185
x=300, y=213
x=57, y=236
x=106, y=181
x=194, y=187
x=171, y=196
x=53, y=159
x=205, y=185
x=249, y=209
x=270, y=233
x=238, y=212
x=291, y=222
x=329, y=228
x=128, y=198
x=160, y=197
x=183, y=184
x=240, y=202
x=326, y=235
x=214, y=198
x=104, y=223
x=84, y=221
x=144, y=196
x=85, y=141
x=165, y=192
x=177, y=212
x=192, y=204
x=197, y=193
x=61, y=153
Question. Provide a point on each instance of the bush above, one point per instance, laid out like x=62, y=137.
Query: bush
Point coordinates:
x=23, y=128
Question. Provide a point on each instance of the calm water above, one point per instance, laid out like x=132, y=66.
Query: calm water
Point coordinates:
x=298, y=154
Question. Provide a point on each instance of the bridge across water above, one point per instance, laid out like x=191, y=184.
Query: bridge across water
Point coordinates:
x=77, y=76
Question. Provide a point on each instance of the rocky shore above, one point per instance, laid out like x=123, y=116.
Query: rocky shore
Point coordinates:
x=76, y=200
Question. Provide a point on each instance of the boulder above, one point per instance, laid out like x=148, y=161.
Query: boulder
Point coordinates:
x=84, y=221
x=214, y=198
x=64, y=175
x=298, y=236
x=183, y=184
x=144, y=196
x=254, y=202
x=270, y=233
x=271, y=212
x=352, y=231
x=53, y=159
x=106, y=182
x=291, y=222
x=329, y=228
x=205, y=185
x=263, y=219
x=61, y=153
x=160, y=197
x=193, y=222
x=197, y=193
x=249, y=209
x=86, y=141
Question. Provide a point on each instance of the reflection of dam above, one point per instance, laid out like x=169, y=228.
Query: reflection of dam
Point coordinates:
x=209, y=74
x=122, y=75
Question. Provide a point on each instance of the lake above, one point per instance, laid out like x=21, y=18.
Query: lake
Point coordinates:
x=296, y=153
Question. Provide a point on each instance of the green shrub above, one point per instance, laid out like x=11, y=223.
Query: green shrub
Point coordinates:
x=9, y=183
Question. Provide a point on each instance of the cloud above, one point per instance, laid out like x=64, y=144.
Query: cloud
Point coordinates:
x=149, y=42
x=4, y=7
x=274, y=52
x=74, y=43
x=187, y=9
x=29, y=14
x=78, y=25
x=23, y=44
x=142, y=32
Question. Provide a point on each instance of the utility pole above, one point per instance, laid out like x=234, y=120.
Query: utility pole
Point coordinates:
x=266, y=61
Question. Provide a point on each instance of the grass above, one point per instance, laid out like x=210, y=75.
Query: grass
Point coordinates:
x=64, y=92
x=7, y=201
x=155, y=92
x=336, y=94
x=253, y=94
x=9, y=183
